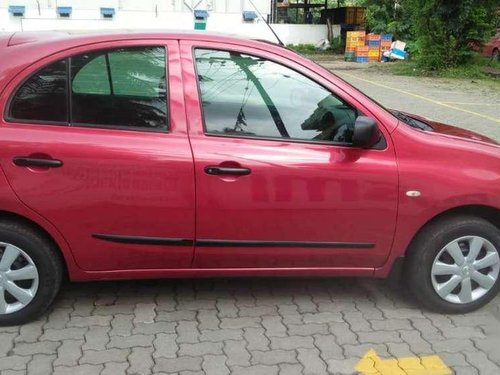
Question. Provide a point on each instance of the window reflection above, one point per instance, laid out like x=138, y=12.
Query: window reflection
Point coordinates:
x=249, y=96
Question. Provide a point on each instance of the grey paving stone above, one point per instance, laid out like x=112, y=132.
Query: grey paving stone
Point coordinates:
x=121, y=325
x=343, y=366
x=342, y=333
x=96, y=338
x=255, y=338
x=288, y=369
x=115, y=368
x=323, y=317
x=41, y=364
x=391, y=324
x=95, y=357
x=418, y=345
x=165, y=345
x=144, y=313
x=273, y=357
x=14, y=362
x=7, y=343
x=481, y=362
x=378, y=337
x=78, y=370
x=221, y=335
x=310, y=359
x=227, y=308
x=329, y=349
x=307, y=329
x=215, y=365
x=48, y=347
x=173, y=365
x=236, y=353
x=141, y=361
x=29, y=332
x=274, y=326
x=69, y=352
x=131, y=341
x=208, y=319
x=87, y=321
x=175, y=316
x=200, y=349
x=187, y=332
x=154, y=328
x=63, y=334
x=255, y=370
x=292, y=342
x=256, y=311
x=453, y=346
x=245, y=322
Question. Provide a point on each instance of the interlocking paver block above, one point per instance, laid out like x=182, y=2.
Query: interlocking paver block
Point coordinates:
x=114, y=368
x=86, y=321
x=154, y=328
x=329, y=349
x=215, y=365
x=69, y=352
x=245, y=322
x=257, y=311
x=310, y=359
x=274, y=357
x=63, y=334
x=222, y=335
x=291, y=342
x=173, y=365
x=288, y=369
x=165, y=345
x=6, y=343
x=140, y=361
x=256, y=339
x=175, y=316
x=14, y=362
x=200, y=349
x=187, y=332
x=208, y=319
x=121, y=325
x=96, y=338
x=378, y=337
x=236, y=353
x=274, y=326
x=131, y=341
x=78, y=370
x=255, y=370
x=95, y=357
x=48, y=347
x=144, y=313
x=307, y=329
x=29, y=332
x=323, y=317
x=41, y=364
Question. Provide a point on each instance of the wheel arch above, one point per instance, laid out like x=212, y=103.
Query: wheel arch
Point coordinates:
x=37, y=228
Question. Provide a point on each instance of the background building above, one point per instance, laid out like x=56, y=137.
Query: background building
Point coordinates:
x=230, y=16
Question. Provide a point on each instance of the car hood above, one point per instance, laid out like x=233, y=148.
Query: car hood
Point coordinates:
x=453, y=131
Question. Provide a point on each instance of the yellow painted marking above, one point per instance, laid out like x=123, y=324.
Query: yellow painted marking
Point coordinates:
x=461, y=103
x=444, y=104
x=372, y=364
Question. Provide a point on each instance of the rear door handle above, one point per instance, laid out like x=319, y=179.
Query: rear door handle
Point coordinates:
x=215, y=170
x=25, y=161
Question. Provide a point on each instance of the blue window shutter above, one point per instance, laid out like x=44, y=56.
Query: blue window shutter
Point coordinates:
x=108, y=12
x=249, y=15
x=17, y=10
x=64, y=11
x=200, y=14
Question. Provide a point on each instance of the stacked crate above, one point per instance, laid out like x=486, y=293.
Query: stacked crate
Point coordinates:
x=373, y=41
x=362, y=54
x=354, y=39
x=385, y=43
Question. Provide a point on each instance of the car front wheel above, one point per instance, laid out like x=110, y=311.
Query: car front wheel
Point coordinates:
x=30, y=273
x=454, y=264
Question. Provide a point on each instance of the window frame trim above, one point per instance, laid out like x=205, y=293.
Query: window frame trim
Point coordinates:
x=68, y=123
x=349, y=145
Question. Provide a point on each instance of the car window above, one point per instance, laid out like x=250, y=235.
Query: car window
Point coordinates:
x=124, y=87
x=245, y=95
x=43, y=96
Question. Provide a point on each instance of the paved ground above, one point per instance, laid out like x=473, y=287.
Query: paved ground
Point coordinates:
x=265, y=326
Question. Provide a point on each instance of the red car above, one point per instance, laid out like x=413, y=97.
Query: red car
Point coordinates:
x=192, y=155
x=492, y=47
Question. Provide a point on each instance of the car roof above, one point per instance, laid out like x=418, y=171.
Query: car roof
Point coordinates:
x=83, y=36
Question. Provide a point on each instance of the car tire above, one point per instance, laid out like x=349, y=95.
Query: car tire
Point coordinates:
x=445, y=262
x=30, y=273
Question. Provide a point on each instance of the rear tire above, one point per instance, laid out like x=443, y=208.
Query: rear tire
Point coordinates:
x=30, y=273
x=453, y=264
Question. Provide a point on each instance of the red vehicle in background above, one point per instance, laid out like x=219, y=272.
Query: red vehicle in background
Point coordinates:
x=492, y=47
x=150, y=155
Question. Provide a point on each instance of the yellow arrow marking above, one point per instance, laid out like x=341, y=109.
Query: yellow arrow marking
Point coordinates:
x=372, y=364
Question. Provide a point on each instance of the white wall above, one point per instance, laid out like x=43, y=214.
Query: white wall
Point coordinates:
x=225, y=16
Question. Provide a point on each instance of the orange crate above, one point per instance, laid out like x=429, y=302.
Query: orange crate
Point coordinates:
x=373, y=36
x=363, y=49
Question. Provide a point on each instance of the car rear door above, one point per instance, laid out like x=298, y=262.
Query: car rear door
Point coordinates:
x=278, y=184
x=104, y=155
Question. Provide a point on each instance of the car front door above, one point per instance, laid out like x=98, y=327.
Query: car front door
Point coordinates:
x=95, y=141
x=279, y=184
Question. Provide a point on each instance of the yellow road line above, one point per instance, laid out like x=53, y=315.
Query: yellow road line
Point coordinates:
x=424, y=98
x=461, y=103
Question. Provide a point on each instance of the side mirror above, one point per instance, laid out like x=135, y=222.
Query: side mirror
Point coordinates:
x=365, y=129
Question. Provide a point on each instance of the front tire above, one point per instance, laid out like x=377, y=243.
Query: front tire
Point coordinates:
x=30, y=273
x=453, y=264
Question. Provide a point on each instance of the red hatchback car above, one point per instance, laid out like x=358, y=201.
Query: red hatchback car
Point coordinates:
x=191, y=155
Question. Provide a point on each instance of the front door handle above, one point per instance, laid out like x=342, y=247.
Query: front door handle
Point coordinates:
x=218, y=171
x=25, y=161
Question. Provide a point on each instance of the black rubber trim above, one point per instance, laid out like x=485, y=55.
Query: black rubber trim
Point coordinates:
x=322, y=245
x=26, y=161
x=142, y=240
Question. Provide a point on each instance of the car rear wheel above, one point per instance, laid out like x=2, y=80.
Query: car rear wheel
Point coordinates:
x=453, y=265
x=30, y=273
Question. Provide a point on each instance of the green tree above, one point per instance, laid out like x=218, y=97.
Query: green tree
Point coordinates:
x=444, y=28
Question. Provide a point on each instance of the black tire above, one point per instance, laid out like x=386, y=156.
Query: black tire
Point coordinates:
x=428, y=244
x=48, y=262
